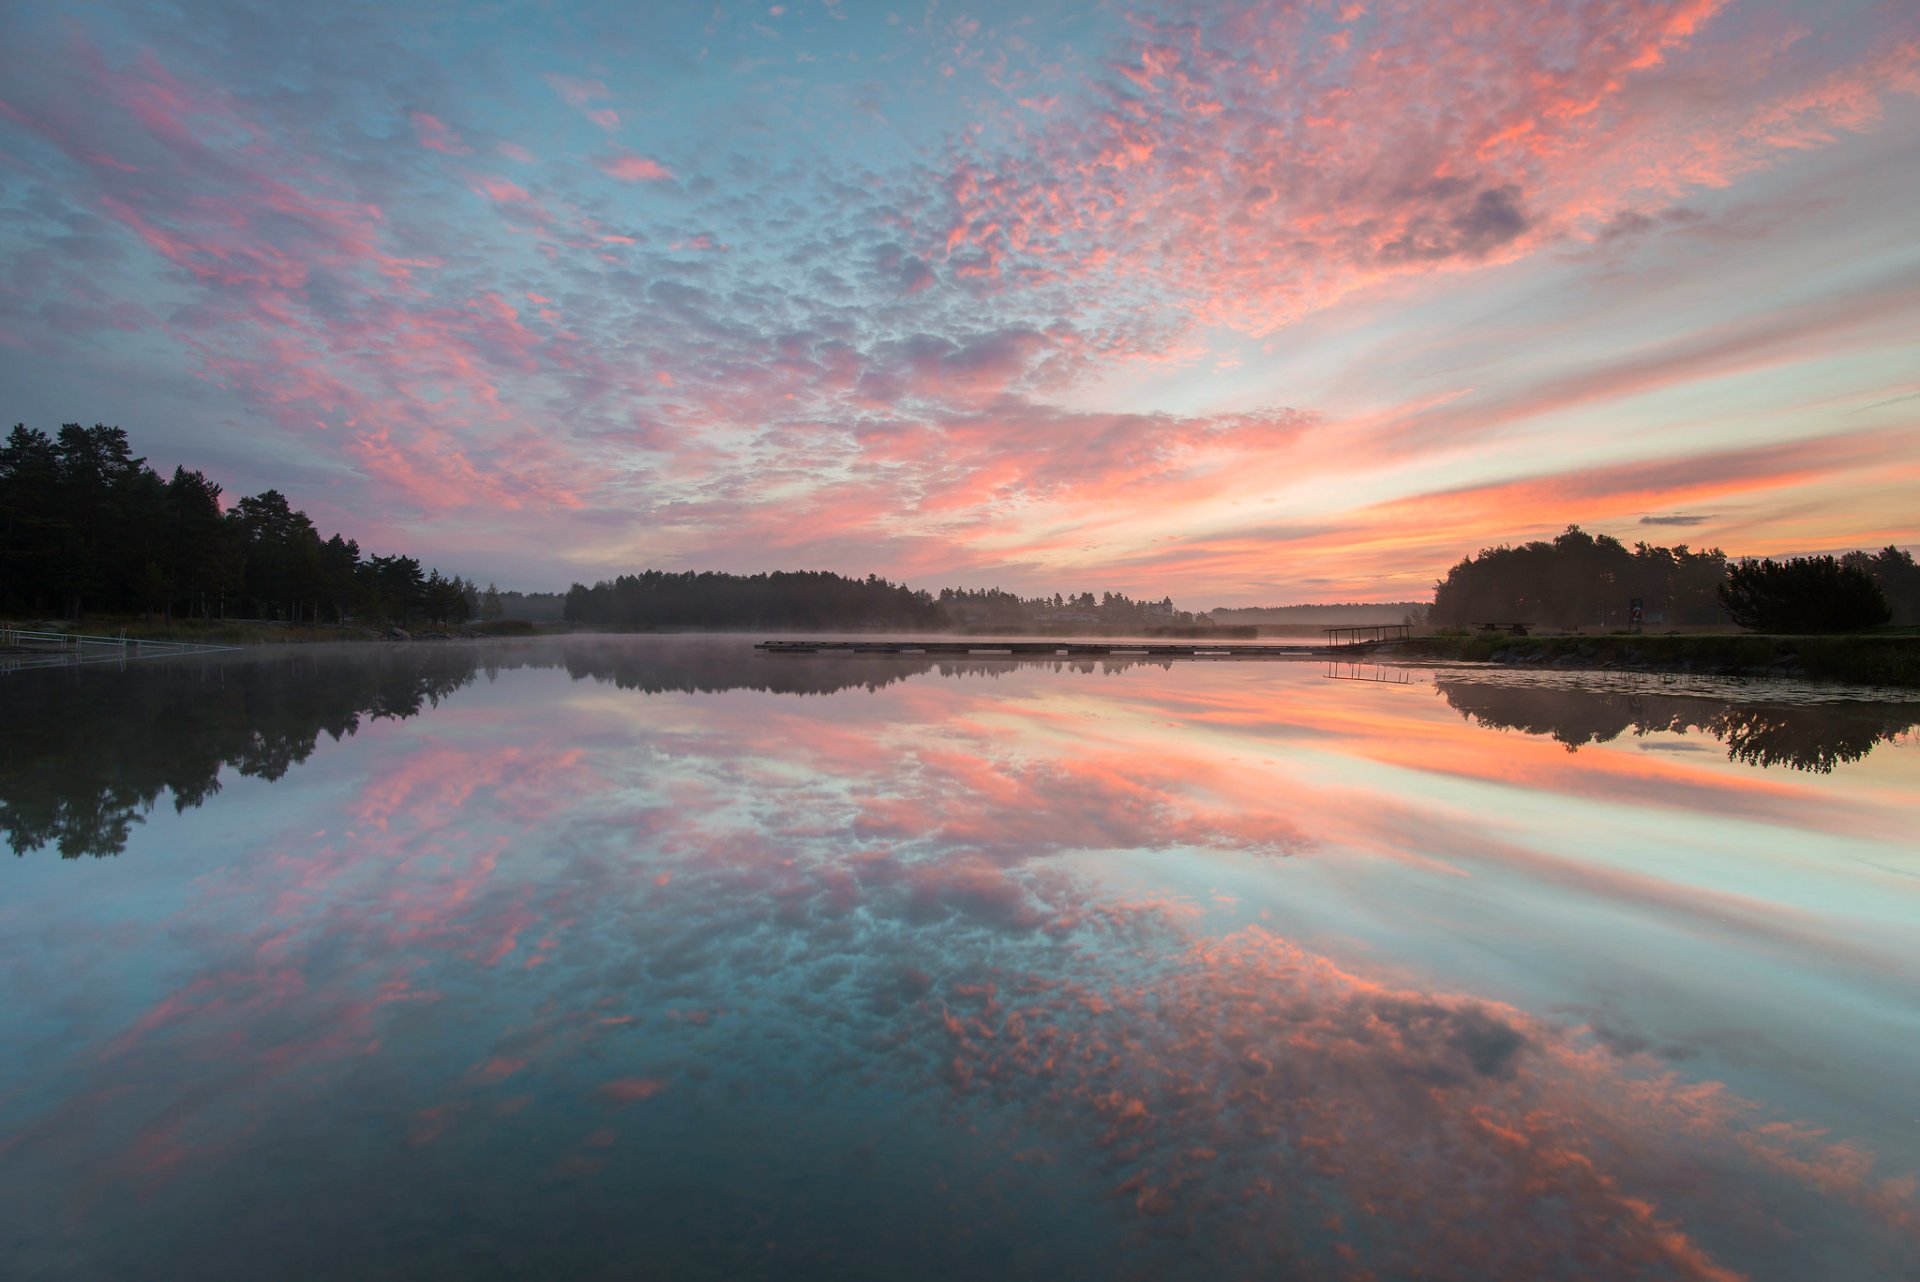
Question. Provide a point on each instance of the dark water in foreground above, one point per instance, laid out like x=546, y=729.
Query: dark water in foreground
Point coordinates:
x=660, y=959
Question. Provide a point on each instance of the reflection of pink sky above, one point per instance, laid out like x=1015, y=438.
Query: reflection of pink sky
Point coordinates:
x=1266, y=303
x=606, y=904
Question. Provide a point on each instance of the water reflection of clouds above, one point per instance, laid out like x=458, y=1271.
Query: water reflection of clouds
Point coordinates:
x=99, y=754
x=567, y=943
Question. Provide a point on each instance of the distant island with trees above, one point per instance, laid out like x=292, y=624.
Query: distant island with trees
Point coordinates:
x=88, y=529
x=1574, y=582
x=807, y=599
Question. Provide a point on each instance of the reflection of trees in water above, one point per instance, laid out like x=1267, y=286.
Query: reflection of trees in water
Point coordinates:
x=708, y=667
x=91, y=749
x=1770, y=736
x=1815, y=737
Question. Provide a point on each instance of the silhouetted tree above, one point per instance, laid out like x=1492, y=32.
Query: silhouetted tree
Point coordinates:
x=1897, y=577
x=1804, y=594
x=995, y=608
x=33, y=522
x=396, y=589
x=100, y=493
x=204, y=552
x=1580, y=579
x=87, y=526
x=444, y=600
x=709, y=599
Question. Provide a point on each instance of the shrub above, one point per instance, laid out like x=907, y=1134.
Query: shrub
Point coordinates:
x=506, y=628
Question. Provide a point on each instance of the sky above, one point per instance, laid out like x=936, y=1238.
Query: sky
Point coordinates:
x=1241, y=304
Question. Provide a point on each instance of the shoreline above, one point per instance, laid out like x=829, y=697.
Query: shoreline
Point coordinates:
x=1889, y=659
x=1859, y=658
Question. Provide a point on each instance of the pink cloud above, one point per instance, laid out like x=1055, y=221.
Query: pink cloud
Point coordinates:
x=258, y=226
x=581, y=92
x=502, y=191
x=435, y=135
x=629, y=1090
x=1220, y=169
x=1247, y=175
x=578, y=91
x=629, y=167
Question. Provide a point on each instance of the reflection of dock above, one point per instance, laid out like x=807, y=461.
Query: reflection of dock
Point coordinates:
x=986, y=648
x=1367, y=634
x=1374, y=672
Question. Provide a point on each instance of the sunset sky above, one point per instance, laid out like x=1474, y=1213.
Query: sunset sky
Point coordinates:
x=1241, y=304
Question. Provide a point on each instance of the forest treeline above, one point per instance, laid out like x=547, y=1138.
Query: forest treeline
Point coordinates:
x=88, y=527
x=1586, y=580
x=821, y=599
x=710, y=599
x=993, y=608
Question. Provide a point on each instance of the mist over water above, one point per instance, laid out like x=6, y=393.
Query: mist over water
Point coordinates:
x=656, y=957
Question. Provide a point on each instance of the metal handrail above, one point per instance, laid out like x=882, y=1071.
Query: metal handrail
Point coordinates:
x=74, y=647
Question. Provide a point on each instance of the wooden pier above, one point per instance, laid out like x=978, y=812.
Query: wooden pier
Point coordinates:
x=988, y=648
x=1368, y=633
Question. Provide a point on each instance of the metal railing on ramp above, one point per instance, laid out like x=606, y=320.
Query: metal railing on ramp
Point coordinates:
x=34, y=648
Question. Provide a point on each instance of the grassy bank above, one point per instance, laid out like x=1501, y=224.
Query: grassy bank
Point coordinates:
x=1874, y=658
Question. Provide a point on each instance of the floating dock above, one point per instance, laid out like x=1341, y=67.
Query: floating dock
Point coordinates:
x=987, y=648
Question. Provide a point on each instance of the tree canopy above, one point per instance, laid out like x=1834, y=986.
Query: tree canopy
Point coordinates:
x=1581, y=579
x=1803, y=594
x=821, y=599
x=711, y=599
x=1897, y=577
x=87, y=527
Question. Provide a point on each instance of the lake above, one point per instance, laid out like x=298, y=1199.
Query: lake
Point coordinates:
x=659, y=958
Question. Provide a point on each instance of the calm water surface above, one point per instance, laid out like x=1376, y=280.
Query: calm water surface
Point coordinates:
x=661, y=959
